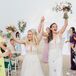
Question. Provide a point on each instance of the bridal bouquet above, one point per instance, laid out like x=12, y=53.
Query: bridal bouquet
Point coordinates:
x=10, y=29
x=21, y=25
x=63, y=6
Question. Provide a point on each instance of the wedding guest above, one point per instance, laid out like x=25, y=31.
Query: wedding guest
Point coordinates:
x=44, y=42
x=12, y=46
x=17, y=45
x=73, y=47
x=3, y=54
x=46, y=45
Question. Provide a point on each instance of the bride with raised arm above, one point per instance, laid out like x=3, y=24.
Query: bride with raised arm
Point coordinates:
x=31, y=64
x=55, y=48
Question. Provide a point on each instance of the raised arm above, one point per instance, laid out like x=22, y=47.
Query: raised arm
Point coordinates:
x=41, y=25
x=65, y=24
x=18, y=40
x=41, y=28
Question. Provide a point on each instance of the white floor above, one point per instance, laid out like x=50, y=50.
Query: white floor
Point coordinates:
x=66, y=68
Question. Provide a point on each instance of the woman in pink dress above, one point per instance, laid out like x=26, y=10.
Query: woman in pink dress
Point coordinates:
x=45, y=44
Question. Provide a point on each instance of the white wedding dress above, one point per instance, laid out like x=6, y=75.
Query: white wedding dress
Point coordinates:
x=55, y=57
x=31, y=63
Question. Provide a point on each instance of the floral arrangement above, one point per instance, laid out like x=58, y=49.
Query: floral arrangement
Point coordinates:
x=11, y=28
x=21, y=25
x=63, y=6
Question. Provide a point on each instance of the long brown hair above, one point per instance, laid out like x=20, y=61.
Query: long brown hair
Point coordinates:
x=50, y=37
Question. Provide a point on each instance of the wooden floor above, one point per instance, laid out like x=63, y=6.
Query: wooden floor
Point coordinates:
x=66, y=68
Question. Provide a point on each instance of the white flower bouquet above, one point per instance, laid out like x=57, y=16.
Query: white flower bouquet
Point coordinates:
x=21, y=25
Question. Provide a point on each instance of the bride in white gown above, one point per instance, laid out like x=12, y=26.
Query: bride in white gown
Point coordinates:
x=31, y=64
x=55, y=49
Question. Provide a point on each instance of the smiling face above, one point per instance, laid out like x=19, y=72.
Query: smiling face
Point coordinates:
x=12, y=42
x=30, y=36
x=53, y=27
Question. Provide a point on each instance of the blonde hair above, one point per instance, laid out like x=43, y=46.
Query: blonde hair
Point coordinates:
x=35, y=37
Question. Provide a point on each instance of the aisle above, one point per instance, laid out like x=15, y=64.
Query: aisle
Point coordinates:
x=66, y=68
